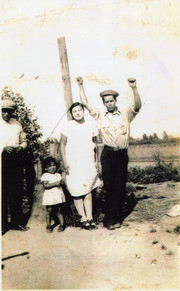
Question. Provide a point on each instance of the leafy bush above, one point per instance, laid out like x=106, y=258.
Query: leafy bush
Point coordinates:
x=161, y=172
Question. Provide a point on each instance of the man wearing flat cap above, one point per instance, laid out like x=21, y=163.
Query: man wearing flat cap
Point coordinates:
x=13, y=143
x=114, y=127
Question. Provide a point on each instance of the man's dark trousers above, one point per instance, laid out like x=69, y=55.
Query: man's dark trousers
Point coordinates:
x=114, y=174
x=12, y=189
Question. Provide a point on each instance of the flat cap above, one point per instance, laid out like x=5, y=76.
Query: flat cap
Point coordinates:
x=7, y=103
x=109, y=92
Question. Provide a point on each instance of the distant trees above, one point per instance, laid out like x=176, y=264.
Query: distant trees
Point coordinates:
x=150, y=137
x=153, y=139
x=165, y=136
x=155, y=136
x=145, y=137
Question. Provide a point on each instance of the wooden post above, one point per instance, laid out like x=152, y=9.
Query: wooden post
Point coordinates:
x=65, y=74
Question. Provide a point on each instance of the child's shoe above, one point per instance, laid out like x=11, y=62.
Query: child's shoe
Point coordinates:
x=48, y=229
x=61, y=228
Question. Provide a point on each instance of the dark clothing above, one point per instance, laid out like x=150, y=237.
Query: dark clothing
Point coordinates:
x=114, y=174
x=12, y=188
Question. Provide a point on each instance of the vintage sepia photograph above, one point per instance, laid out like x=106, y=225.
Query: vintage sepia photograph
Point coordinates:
x=89, y=140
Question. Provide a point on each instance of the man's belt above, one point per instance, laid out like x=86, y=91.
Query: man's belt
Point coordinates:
x=114, y=149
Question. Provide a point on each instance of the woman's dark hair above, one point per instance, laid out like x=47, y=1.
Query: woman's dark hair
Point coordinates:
x=74, y=105
x=47, y=162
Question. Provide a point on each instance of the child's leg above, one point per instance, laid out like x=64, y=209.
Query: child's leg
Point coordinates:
x=60, y=214
x=60, y=217
x=88, y=206
x=54, y=214
x=78, y=202
x=48, y=215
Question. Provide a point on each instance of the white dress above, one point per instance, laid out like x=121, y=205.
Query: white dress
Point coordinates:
x=54, y=195
x=80, y=157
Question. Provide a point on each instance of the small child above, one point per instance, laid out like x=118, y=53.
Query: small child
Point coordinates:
x=53, y=193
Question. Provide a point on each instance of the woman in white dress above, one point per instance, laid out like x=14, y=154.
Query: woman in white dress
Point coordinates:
x=77, y=151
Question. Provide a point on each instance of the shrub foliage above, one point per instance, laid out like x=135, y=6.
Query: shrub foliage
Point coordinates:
x=161, y=172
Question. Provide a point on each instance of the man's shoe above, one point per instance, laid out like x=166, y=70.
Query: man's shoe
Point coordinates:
x=113, y=226
x=3, y=232
x=21, y=228
x=108, y=222
x=110, y=227
x=117, y=225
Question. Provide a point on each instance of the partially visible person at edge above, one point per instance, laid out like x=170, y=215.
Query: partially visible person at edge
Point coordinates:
x=13, y=143
x=114, y=126
x=77, y=152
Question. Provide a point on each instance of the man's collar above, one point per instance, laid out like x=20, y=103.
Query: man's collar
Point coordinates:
x=116, y=111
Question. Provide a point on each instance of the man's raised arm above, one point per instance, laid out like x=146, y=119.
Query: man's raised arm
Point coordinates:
x=137, y=99
x=83, y=97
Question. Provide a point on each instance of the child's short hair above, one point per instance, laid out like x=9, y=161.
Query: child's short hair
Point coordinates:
x=47, y=162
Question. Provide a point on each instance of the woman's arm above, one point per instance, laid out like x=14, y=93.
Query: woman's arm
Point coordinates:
x=63, y=142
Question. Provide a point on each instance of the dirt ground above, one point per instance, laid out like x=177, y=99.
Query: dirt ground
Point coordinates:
x=142, y=254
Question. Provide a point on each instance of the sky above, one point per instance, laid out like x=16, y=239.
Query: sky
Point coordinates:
x=107, y=42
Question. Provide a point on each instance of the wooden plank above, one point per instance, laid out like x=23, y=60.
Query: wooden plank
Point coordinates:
x=65, y=74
